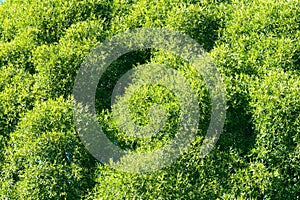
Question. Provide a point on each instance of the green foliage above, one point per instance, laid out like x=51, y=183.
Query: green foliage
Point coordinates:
x=15, y=98
x=255, y=46
x=277, y=118
x=44, y=158
x=259, y=36
x=57, y=63
x=140, y=104
x=50, y=18
x=200, y=20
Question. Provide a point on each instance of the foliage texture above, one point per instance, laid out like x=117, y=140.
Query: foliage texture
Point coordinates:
x=255, y=46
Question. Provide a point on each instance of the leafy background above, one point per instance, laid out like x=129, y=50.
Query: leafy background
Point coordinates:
x=255, y=46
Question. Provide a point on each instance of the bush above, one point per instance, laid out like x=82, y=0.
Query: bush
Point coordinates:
x=259, y=36
x=44, y=158
x=276, y=117
x=58, y=63
x=15, y=99
x=255, y=47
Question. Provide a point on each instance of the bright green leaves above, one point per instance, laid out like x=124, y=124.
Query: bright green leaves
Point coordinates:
x=51, y=18
x=255, y=46
x=45, y=158
x=276, y=117
x=149, y=106
x=15, y=98
x=58, y=63
x=259, y=36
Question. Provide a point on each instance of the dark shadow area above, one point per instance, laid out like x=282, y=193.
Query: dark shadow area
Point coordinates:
x=238, y=130
x=206, y=33
x=114, y=72
x=296, y=61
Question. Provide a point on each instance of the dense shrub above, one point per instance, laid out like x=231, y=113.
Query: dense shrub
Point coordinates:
x=44, y=158
x=259, y=36
x=15, y=99
x=50, y=18
x=276, y=117
x=255, y=46
x=200, y=20
x=244, y=53
x=57, y=63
